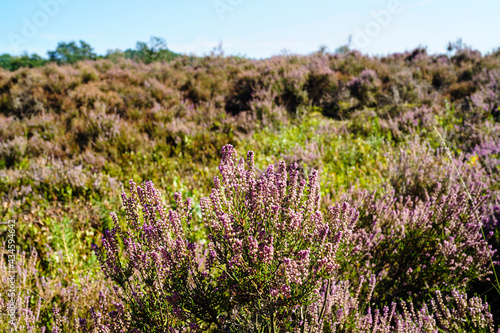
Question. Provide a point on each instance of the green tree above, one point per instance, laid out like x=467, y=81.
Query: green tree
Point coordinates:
x=115, y=54
x=71, y=52
x=156, y=50
x=6, y=61
x=12, y=63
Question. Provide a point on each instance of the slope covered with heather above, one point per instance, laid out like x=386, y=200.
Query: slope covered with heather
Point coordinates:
x=409, y=141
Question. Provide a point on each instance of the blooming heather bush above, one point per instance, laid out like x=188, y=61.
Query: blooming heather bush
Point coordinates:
x=487, y=153
x=487, y=98
x=365, y=87
x=293, y=92
x=11, y=152
x=321, y=82
x=418, y=246
x=346, y=310
x=409, y=122
x=56, y=177
x=45, y=304
x=415, y=169
x=268, y=248
x=264, y=110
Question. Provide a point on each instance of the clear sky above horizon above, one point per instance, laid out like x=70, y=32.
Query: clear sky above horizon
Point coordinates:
x=254, y=28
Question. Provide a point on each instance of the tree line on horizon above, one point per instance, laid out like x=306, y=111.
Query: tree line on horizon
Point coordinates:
x=72, y=52
x=145, y=52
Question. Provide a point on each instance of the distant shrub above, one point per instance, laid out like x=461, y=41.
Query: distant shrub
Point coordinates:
x=416, y=168
x=242, y=91
x=321, y=82
x=12, y=151
x=265, y=110
x=487, y=97
x=409, y=122
x=365, y=87
x=461, y=90
x=292, y=94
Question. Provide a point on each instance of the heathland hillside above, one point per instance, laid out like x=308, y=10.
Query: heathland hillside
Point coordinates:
x=410, y=141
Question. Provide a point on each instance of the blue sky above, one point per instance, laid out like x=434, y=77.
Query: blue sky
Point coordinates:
x=254, y=28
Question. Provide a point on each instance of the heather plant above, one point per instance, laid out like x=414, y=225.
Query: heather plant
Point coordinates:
x=264, y=110
x=409, y=122
x=57, y=178
x=348, y=310
x=487, y=98
x=486, y=153
x=417, y=246
x=364, y=87
x=12, y=151
x=101, y=129
x=321, y=82
x=475, y=118
x=244, y=87
x=45, y=303
x=416, y=167
x=267, y=249
x=292, y=93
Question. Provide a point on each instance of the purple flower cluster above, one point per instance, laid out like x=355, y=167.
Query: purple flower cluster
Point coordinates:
x=410, y=121
x=415, y=246
x=364, y=87
x=35, y=296
x=488, y=97
x=348, y=310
